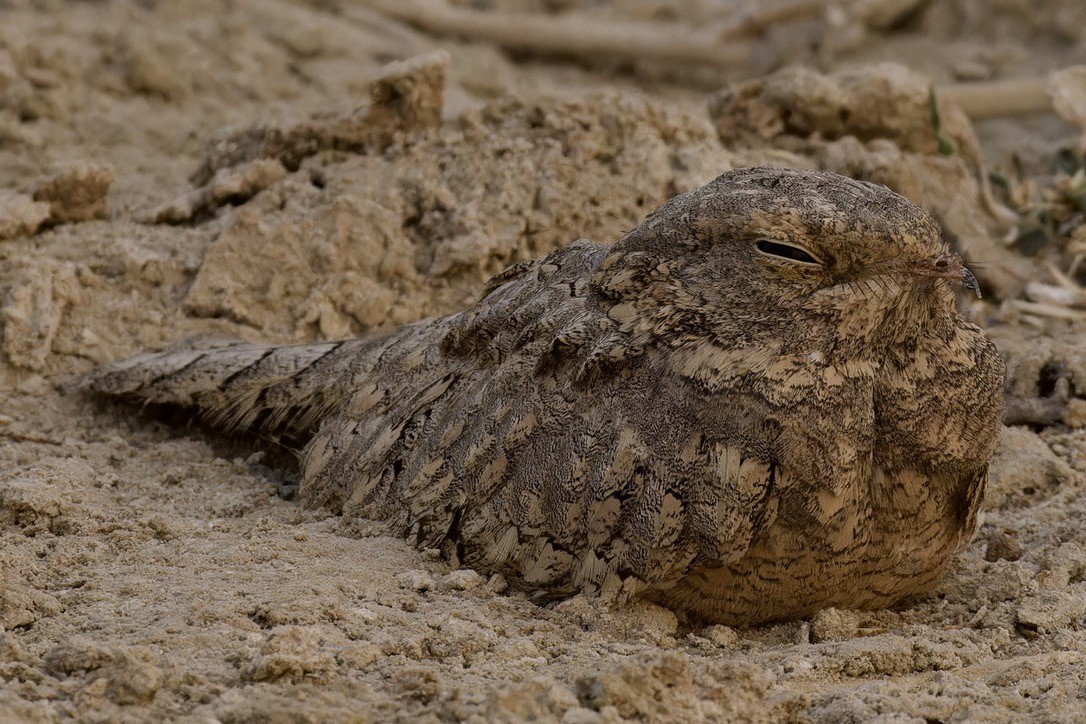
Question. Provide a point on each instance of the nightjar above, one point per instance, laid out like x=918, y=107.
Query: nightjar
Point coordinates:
x=759, y=403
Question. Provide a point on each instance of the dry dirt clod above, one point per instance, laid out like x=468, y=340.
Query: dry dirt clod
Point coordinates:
x=461, y=580
x=77, y=191
x=416, y=580
x=1049, y=611
x=233, y=185
x=32, y=313
x=832, y=624
x=22, y=605
x=406, y=97
x=293, y=653
x=20, y=215
x=1003, y=546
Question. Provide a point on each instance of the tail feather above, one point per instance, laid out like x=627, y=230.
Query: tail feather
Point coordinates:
x=233, y=385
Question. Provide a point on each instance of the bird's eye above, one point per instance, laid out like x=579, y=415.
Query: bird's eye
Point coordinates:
x=785, y=251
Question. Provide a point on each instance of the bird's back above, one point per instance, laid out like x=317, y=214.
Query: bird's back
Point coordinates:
x=510, y=434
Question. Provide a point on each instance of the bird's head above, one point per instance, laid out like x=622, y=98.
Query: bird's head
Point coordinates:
x=767, y=253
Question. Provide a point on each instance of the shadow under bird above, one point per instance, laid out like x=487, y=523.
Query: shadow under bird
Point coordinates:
x=759, y=403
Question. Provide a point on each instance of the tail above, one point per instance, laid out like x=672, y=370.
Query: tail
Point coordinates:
x=239, y=387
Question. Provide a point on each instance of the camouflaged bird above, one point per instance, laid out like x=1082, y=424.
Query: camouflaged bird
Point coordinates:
x=759, y=403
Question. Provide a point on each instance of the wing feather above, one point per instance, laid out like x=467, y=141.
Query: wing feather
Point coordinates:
x=472, y=433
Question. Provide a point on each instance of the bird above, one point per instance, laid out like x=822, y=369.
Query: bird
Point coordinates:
x=759, y=403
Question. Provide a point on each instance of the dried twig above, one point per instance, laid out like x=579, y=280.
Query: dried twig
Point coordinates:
x=1065, y=280
x=998, y=98
x=15, y=436
x=1052, y=311
x=1056, y=296
x=1033, y=410
x=578, y=36
x=1062, y=90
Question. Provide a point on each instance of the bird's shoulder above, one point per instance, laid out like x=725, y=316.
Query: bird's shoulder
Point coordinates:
x=546, y=313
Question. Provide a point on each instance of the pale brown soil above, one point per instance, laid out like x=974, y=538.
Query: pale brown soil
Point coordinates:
x=203, y=168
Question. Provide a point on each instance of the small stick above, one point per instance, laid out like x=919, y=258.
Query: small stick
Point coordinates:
x=1062, y=279
x=1033, y=410
x=977, y=617
x=579, y=36
x=1075, y=263
x=1056, y=296
x=29, y=437
x=1047, y=310
x=998, y=98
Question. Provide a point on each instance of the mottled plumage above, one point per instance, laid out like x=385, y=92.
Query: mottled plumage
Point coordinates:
x=760, y=402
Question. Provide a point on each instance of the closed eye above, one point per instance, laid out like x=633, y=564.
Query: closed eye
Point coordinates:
x=785, y=251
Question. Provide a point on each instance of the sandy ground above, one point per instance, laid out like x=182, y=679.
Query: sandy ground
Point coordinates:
x=253, y=169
